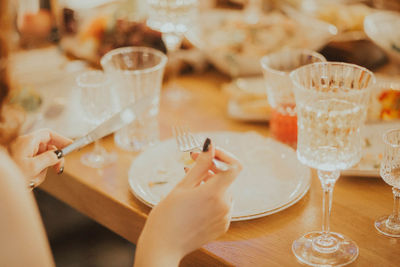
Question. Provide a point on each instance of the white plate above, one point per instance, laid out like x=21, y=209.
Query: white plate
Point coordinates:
x=265, y=186
x=372, y=150
x=235, y=47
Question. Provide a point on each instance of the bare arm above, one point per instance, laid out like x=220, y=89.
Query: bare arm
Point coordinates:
x=23, y=239
x=195, y=212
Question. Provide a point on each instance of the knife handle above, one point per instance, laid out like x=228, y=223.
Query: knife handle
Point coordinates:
x=81, y=142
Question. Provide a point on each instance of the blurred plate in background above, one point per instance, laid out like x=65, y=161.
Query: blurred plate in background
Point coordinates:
x=235, y=47
x=372, y=150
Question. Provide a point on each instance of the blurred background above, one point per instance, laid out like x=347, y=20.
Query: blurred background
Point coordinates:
x=226, y=36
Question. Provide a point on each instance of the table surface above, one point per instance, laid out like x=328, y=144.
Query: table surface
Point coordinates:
x=104, y=195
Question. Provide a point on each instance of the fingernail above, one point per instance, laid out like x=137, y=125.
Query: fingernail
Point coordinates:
x=191, y=153
x=59, y=153
x=206, y=144
x=61, y=170
x=185, y=169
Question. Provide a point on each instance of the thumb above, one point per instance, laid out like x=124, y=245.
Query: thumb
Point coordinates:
x=43, y=161
x=202, y=165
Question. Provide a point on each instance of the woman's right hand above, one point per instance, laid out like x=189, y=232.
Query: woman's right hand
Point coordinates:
x=34, y=153
x=196, y=211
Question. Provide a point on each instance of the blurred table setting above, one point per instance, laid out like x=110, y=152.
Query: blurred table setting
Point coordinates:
x=227, y=70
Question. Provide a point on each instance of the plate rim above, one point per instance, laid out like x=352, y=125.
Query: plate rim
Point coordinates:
x=297, y=197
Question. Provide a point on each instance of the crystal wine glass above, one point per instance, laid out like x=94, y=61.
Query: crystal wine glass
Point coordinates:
x=172, y=18
x=98, y=104
x=390, y=171
x=331, y=101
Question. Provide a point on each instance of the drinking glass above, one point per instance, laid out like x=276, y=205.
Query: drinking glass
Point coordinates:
x=390, y=171
x=276, y=68
x=172, y=18
x=98, y=104
x=137, y=73
x=331, y=102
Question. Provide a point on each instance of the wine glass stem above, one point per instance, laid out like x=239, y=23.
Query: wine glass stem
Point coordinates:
x=172, y=41
x=98, y=149
x=328, y=180
x=326, y=209
x=394, y=219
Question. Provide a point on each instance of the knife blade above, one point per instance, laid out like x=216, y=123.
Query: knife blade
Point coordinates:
x=116, y=122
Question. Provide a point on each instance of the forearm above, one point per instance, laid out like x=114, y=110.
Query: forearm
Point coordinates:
x=149, y=253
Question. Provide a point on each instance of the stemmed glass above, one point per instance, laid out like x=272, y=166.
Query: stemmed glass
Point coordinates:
x=390, y=172
x=331, y=101
x=276, y=69
x=172, y=18
x=98, y=104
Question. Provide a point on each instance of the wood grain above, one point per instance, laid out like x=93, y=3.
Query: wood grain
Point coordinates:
x=105, y=195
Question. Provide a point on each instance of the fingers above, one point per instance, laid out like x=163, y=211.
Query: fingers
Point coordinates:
x=203, y=163
x=227, y=157
x=58, y=140
x=59, y=167
x=45, y=136
x=43, y=161
x=222, y=180
x=221, y=155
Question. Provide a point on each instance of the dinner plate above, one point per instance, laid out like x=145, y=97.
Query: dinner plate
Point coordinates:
x=235, y=47
x=372, y=150
x=272, y=178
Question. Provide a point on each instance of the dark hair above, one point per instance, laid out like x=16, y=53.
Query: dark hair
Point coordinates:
x=11, y=116
x=4, y=26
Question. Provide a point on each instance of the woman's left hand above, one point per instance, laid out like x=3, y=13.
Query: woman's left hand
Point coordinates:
x=34, y=153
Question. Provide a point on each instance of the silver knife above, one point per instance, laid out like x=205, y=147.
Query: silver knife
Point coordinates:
x=116, y=122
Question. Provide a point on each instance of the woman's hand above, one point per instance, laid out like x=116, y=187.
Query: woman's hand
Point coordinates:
x=34, y=153
x=195, y=212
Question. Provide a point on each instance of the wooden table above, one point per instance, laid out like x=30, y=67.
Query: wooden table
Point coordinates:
x=105, y=196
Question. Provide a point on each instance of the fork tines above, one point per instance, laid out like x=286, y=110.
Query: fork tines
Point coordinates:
x=185, y=140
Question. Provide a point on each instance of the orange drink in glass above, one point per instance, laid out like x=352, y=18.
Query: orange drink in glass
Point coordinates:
x=276, y=69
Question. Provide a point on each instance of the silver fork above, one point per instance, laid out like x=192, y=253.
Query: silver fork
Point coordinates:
x=187, y=142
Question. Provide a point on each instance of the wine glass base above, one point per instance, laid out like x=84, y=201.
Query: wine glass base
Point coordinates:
x=381, y=224
x=336, y=251
x=96, y=161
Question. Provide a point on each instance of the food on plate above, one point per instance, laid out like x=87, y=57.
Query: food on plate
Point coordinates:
x=385, y=104
x=235, y=46
x=271, y=33
x=344, y=17
x=93, y=36
x=27, y=98
x=390, y=104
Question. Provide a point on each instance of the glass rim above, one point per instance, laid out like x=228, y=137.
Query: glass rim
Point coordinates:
x=386, y=135
x=106, y=57
x=310, y=52
x=333, y=63
x=91, y=73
